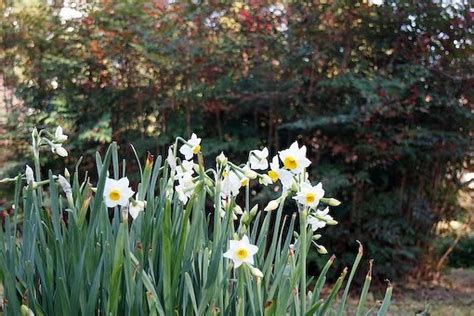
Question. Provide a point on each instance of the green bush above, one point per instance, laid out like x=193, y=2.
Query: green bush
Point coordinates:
x=70, y=248
x=462, y=255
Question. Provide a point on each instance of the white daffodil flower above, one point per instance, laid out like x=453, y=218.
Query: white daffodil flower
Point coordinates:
x=117, y=192
x=324, y=216
x=276, y=173
x=315, y=223
x=171, y=159
x=30, y=178
x=59, y=136
x=294, y=158
x=136, y=207
x=309, y=195
x=230, y=185
x=241, y=251
x=192, y=147
x=185, y=170
x=58, y=149
x=265, y=179
x=185, y=189
x=258, y=159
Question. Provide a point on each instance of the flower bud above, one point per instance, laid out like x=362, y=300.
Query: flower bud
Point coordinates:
x=251, y=174
x=271, y=206
x=34, y=133
x=124, y=212
x=322, y=250
x=316, y=236
x=246, y=218
x=67, y=174
x=238, y=210
x=26, y=311
x=254, y=211
x=59, y=150
x=331, y=201
x=256, y=272
x=30, y=178
x=331, y=222
x=64, y=185
x=222, y=159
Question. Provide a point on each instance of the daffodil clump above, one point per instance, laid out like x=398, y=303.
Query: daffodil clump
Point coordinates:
x=185, y=240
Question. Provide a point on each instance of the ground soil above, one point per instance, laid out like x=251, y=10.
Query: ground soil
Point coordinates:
x=452, y=295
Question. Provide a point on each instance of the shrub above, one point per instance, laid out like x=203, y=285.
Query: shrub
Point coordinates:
x=180, y=245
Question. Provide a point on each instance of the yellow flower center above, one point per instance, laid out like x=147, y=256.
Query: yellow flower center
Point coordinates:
x=273, y=175
x=242, y=254
x=310, y=198
x=114, y=195
x=196, y=149
x=244, y=182
x=290, y=162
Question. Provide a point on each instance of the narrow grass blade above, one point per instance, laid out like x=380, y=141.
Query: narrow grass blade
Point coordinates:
x=365, y=290
x=386, y=301
x=349, y=280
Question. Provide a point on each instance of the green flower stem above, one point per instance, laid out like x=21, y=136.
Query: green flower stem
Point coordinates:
x=36, y=158
x=241, y=291
x=303, y=253
x=247, y=198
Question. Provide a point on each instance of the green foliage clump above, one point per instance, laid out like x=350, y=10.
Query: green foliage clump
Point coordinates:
x=380, y=94
x=71, y=247
x=462, y=255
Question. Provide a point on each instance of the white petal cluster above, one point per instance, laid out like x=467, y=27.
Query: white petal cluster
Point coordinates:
x=185, y=189
x=241, y=251
x=171, y=159
x=320, y=219
x=230, y=185
x=191, y=147
x=57, y=141
x=294, y=158
x=185, y=170
x=117, y=192
x=276, y=173
x=309, y=195
x=136, y=207
x=258, y=159
x=59, y=150
x=59, y=136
